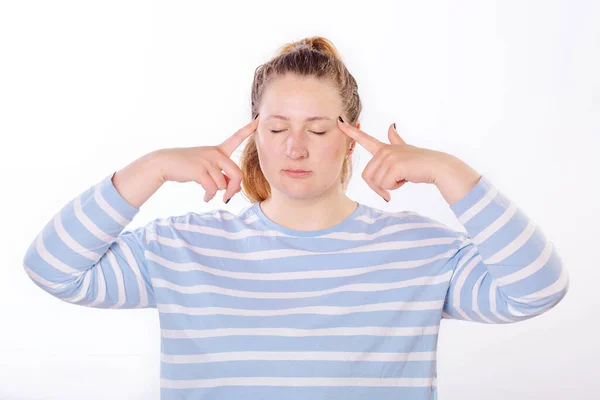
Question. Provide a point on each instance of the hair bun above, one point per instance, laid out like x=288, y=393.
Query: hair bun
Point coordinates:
x=313, y=43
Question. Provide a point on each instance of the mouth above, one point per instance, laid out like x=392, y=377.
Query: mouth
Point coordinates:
x=296, y=170
x=297, y=173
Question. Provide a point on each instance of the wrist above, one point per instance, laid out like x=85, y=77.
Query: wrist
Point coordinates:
x=454, y=178
x=156, y=162
x=449, y=167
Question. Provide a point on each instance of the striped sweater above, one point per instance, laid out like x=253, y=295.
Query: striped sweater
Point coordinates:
x=250, y=309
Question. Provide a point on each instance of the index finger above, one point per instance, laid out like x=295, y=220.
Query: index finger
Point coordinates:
x=232, y=142
x=367, y=141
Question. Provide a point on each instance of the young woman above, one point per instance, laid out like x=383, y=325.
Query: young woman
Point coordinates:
x=305, y=294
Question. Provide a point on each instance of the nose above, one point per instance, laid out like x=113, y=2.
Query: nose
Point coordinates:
x=296, y=145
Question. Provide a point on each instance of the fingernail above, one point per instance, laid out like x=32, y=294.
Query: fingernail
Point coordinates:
x=256, y=116
x=228, y=200
x=341, y=119
x=384, y=199
x=395, y=126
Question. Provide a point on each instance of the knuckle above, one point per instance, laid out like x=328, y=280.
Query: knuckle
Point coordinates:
x=236, y=174
x=217, y=151
x=380, y=151
x=222, y=185
x=209, y=185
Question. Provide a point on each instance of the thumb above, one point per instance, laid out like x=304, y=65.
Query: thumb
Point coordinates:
x=393, y=135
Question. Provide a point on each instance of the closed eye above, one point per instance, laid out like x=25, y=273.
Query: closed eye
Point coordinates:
x=318, y=133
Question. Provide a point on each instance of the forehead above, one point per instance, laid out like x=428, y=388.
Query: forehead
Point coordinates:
x=291, y=96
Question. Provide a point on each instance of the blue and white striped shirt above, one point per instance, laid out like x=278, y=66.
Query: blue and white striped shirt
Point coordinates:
x=250, y=309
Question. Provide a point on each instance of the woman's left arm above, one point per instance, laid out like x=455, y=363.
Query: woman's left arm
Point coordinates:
x=505, y=270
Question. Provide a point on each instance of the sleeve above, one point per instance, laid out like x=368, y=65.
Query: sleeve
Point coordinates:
x=83, y=256
x=505, y=270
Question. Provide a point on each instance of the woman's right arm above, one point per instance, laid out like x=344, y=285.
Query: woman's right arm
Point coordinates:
x=83, y=256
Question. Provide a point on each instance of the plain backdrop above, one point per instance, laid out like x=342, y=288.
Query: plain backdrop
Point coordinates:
x=510, y=87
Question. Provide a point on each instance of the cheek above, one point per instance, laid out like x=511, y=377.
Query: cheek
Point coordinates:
x=263, y=145
x=259, y=139
x=267, y=141
x=266, y=148
x=331, y=151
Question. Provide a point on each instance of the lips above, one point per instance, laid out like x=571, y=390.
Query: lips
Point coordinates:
x=296, y=170
x=297, y=173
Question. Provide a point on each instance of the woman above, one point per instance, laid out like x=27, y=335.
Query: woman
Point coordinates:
x=306, y=293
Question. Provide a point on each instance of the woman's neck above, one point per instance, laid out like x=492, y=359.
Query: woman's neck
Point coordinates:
x=308, y=214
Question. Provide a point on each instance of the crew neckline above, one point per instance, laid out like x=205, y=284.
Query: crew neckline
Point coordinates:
x=293, y=232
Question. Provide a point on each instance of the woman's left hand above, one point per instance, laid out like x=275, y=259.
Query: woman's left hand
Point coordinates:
x=396, y=163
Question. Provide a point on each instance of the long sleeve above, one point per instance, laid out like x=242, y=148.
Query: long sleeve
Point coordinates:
x=83, y=256
x=505, y=270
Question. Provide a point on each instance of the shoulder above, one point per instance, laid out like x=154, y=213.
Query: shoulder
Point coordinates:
x=407, y=222
x=203, y=221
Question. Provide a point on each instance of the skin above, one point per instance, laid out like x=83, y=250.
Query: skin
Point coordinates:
x=317, y=201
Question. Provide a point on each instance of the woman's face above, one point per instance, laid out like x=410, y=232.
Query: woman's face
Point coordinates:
x=286, y=138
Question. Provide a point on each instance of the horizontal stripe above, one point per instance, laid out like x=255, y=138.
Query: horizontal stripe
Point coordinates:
x=359, y=287
x=321, y=274
x=364, y=343
x=296, y=356
x=320, y=310
x=254, y=381
x=371, y=331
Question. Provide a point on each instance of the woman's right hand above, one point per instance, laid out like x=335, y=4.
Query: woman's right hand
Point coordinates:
x=203, y=164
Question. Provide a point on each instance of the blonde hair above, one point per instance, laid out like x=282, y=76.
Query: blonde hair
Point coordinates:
x=314, y=56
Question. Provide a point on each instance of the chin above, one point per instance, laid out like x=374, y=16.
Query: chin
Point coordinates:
x=298, y=190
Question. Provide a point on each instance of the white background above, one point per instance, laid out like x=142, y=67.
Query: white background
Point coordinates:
x=510, y=87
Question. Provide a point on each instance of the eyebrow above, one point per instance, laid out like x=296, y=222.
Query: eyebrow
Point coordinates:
x=288, y=118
